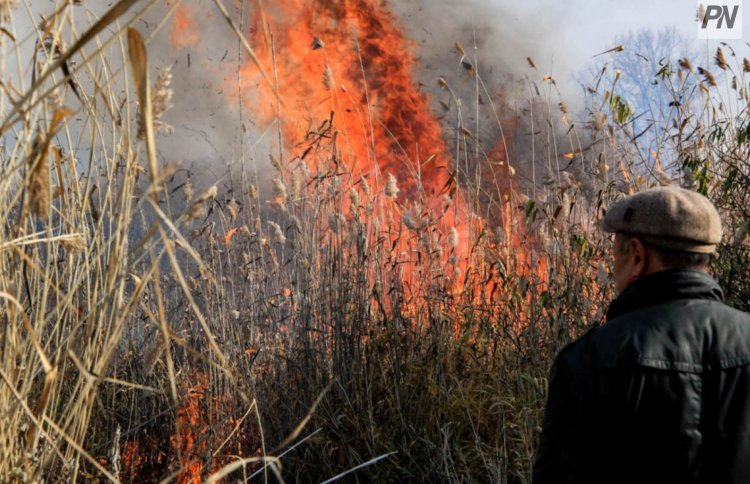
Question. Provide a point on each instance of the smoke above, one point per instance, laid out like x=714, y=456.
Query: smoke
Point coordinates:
x=212, y=133
x=504, y=35
x=494, y=65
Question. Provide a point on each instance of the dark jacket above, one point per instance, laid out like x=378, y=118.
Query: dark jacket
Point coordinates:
x=660, y=393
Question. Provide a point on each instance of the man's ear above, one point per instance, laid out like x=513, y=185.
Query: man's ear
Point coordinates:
x=639, y=257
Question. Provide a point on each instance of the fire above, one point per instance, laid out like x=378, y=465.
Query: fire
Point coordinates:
x=343, y=71
x=187, y=441
x=349, y=58
x=227, y=238
x=205, y=423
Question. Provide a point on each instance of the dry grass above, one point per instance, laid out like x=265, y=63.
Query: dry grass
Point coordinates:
x=335, y=333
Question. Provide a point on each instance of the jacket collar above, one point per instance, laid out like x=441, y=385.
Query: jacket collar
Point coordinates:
x=665, y=286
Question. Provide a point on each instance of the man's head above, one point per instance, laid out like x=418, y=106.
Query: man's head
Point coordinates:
x=662, y=228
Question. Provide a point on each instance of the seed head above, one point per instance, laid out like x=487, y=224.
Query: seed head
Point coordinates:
x=278, y=234
x=196, y=208
x=700, y=14
x=685, y=64
x=210, y=193
x=328, y=77
x=453, y=238
x=721, y=62
x=73, y=243
x=707, y=76
x=276, y=163
x=161, y=101
x=391, y=186
x=460, y=49
x=188, y=190
x=409, y=221
x=354, y=198
x=365, y=185
x=232, y=208
x=39, y=177
x=279, y=189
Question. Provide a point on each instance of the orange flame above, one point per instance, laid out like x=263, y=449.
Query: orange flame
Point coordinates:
x=227, y=238
x=186, y=441
x=344, y=71
x=350, y=59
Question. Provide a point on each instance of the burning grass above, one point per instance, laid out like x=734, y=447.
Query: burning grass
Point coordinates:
x=378, y=324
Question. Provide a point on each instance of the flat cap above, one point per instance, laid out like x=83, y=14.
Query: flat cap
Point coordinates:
x=670, y=217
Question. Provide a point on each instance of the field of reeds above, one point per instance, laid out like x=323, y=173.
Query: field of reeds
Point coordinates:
x=155, y=326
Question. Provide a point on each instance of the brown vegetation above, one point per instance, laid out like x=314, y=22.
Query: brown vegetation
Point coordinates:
x=150, y=334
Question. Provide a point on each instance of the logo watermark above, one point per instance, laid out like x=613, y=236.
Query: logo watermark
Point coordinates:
x=721, y=20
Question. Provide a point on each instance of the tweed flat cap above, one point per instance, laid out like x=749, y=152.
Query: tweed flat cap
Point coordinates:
x=669, y=217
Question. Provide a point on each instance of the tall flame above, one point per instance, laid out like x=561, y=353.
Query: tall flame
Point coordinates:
x=346, y=64
x=349, y=58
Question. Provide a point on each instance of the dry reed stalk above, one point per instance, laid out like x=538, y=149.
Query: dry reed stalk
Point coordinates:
x=278, y=233
x=116, y=11
x=38, y=166
x=700, y=13
x=684, y=63
x=139, y=64
x=328, y=77
x=279, y=189
x=453, y=238
x=73, y=243
x=391, y=186
x=196, y=208
x=707, y=76
x=188, y=190
x=721, y=61
x=342, y=307
x=6, y=7
x=161, y=101
x=39, y=178
x=233, y=209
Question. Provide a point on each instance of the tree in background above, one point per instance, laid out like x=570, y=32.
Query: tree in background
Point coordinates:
x=645, y=92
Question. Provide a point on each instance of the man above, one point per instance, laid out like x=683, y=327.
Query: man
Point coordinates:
x=661, y=391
